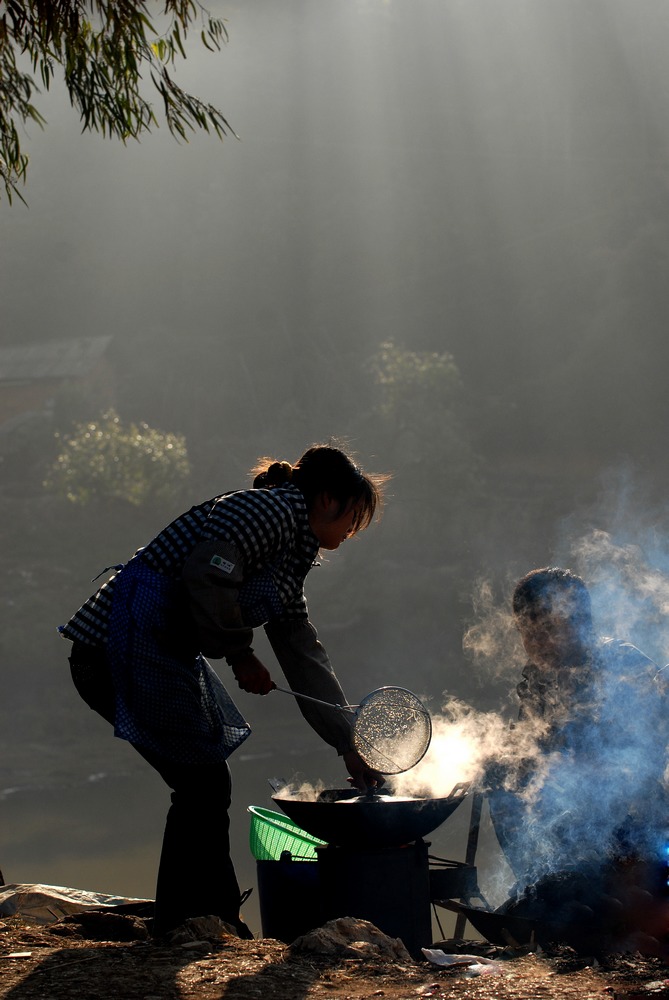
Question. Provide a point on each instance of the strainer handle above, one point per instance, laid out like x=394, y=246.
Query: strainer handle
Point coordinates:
x=308, y=697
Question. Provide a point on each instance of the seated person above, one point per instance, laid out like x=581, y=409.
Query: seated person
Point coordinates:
x=587, y=802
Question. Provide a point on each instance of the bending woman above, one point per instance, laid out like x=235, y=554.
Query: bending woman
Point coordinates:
x=198, y=589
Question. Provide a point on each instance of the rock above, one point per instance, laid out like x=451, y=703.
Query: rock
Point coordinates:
x=348, y=937
x=99, y=925
x=200, y=929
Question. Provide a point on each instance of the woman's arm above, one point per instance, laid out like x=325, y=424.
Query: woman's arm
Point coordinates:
x=307, y=669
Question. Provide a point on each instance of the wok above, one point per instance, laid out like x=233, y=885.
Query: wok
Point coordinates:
x=346, y=818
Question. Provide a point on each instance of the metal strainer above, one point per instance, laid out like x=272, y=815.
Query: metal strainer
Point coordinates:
x=391, y=727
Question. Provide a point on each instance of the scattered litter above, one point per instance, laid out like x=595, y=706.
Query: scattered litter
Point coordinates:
x=483, y=970
x=476, y=965
x=439, y=957
x=20, y=954
x=642, y=994
x=657, y=990
x=201, y=947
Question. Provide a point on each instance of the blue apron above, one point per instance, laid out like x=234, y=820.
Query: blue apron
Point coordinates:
x=168, y=698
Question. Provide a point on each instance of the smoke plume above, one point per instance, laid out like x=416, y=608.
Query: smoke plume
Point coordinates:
x=603, y=792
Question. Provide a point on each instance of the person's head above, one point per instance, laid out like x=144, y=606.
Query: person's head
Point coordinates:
x=341, y=499
x=554, y=616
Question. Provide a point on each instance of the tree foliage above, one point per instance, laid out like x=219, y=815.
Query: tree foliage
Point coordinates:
x=103, y=48
x=415, y=383
x=105, y=460
x=422, y=417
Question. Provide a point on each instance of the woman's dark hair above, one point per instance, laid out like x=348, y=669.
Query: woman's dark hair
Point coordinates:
x=326, y=469
x=540, y=590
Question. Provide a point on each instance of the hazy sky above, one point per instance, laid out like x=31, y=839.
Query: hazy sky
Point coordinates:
x=445, y=172
x=487, y=177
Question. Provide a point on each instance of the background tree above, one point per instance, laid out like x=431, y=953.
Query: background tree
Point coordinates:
x=104, y=49
x=422, y=418
x=109, y=461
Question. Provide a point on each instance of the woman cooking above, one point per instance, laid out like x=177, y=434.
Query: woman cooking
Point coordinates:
x=198, y=589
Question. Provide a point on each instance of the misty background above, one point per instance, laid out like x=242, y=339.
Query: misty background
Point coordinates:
x=441, y=235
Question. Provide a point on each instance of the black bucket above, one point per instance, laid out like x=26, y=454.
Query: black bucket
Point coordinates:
x=288, y=897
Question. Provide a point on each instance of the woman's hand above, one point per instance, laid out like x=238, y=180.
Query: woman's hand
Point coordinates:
x=253, y=676
x=361, y=776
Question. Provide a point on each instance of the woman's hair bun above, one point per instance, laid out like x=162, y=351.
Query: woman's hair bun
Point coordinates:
x=277, y=474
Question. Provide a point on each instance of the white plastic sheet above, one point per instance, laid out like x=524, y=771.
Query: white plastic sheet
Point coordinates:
x=44, y=904
x=476, y=965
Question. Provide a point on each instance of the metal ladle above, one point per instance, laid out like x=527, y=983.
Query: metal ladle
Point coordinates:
x=391, y=716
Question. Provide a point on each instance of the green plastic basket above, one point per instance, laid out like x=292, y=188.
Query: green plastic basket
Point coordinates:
x=273, y=833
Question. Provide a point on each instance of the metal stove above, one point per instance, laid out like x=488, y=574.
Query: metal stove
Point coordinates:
x=376, y=866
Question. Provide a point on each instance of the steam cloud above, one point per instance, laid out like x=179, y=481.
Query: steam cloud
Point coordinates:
x=463, y=741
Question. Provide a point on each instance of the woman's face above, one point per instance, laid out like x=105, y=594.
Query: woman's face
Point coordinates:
x=330, y=523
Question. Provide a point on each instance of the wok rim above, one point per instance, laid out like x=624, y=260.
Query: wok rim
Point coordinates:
x=370, y=823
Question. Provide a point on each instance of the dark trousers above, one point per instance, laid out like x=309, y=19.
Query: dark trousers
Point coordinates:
x=196, y=876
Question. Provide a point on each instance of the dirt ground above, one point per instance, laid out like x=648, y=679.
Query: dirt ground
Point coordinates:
x=69, y=960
